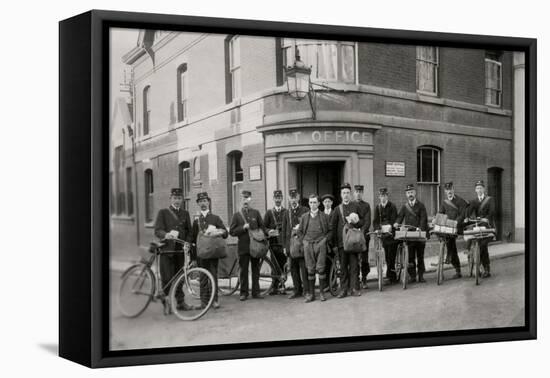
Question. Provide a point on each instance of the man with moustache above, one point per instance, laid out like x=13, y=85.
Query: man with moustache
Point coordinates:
x=208, y=223
x=273, y=221
x=364, y=213
x=247, y=219
x=347, y=214
x=385, y=213
x=456, y=209
x=483, y=207
x=291, y=221
x=413, y=213
x=171, y=223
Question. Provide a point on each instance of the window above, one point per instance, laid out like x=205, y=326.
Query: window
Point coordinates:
x=236, y=178
x=427, y=63
x=146, y=109
x=182, y=92
x=129, y=192
x=149, y=191
x=185, y=182
x=197, y=168
x=235, y=66
x=493, y=80
x=329, y=60
x=428, y=164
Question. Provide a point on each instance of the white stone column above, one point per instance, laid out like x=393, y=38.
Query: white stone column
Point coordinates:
x=366, y=175
x=270, y=178
x=519, y=146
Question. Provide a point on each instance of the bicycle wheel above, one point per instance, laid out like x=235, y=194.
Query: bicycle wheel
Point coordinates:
x=398, y=262
x=476, y=263
x=228, y=284
x=136, y=290
x=185, y=304
x=334, y=282
x=267, y=275
x=405, y=266
x=380, y=267
x=440, y=263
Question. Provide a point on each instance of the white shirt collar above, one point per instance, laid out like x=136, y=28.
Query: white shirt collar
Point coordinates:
x=481, y=198
x=412, y=202
x=314, y=213
x=383, y=204
x=278, y=208
x=175, y=208
x=328, y=211
x=205, y=213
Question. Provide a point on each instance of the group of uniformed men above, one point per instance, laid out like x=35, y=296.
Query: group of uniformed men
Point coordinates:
x=320, y=233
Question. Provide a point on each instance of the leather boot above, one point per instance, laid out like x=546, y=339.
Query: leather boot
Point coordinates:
x=322, y=284
x=421, y=277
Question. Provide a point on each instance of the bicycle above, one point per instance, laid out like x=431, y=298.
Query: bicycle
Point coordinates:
x=404, y=236
x=443, y=238
x=379, y=255
x=142, y=285
x=335, y=275
x=270, y=270
x=476, y=231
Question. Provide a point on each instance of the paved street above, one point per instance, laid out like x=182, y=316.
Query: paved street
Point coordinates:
x=457, y=304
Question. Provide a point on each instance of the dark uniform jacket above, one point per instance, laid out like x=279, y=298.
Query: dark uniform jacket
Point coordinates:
x=202, y=223
x=455, y=209
x=273, y=220
x=419, y=219
x=254, y=219
x=291, y=219
x=326, y=226
x=384, y=215
x=484, y=209
x=171, y=219
x=338, y=223
x=366, y=216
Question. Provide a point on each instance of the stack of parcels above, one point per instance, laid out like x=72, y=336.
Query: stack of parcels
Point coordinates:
x=444, y=225
x=403, y=233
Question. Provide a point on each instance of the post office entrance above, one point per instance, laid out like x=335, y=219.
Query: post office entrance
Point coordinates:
x=320, y=178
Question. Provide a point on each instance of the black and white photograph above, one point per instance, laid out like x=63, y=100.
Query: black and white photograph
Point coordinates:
x=281, y=188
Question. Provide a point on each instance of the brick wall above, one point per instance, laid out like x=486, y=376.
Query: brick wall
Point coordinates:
x=464, y=160
x=388, y=66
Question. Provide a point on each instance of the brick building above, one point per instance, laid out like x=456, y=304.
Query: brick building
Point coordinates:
x=212, y=113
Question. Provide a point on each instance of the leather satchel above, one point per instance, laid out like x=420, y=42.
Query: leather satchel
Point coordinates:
x=211, y=247
x=258, y=243
x=296, y=247
x=354, y=239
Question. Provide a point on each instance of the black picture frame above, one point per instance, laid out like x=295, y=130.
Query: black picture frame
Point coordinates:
x=83, y=196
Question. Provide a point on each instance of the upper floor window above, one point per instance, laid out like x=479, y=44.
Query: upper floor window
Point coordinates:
x=427, y=66
x=329, y=60
x=146, y=109
x=493, y=80
x=235, y=183
x=182, y=92
x=235, y=66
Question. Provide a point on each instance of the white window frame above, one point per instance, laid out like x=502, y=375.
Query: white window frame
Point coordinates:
x=289, y=44
x=147, y=110
x=436, y=68
x=235, y=67
x=499, y=89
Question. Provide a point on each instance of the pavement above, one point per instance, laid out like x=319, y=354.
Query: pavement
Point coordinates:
x=455, y=305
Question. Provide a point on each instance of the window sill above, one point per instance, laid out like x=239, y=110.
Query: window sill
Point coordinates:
x=124, y=218
x=428, y=96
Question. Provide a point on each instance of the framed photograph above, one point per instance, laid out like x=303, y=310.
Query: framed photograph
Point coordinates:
x=383, y=206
